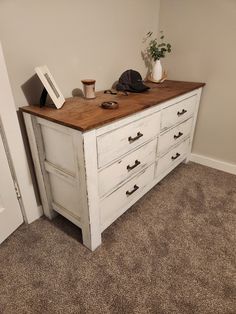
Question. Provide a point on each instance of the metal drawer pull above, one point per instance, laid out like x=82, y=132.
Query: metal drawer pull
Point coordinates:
x=128, y=193
x=177, y=136
x=132, y=139
x=175, y=157
x=180, y=113
x=136, y=163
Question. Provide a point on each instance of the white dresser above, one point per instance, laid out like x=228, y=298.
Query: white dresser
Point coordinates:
x=92, y=165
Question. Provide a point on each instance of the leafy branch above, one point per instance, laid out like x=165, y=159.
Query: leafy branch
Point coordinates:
x=157, y=49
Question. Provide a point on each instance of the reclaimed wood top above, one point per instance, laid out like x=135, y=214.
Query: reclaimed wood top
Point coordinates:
x=83, y=115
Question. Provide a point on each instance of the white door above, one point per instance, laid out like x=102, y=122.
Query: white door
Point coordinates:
x=10, y=212
x=12, y=135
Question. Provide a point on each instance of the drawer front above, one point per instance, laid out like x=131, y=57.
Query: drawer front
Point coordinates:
x=174, y=136
x=126, y=167
x=111, y=206
x=172, y=157
x=177, y=112
x=114, y=144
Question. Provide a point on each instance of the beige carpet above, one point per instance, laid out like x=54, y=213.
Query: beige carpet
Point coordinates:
x=172, y=252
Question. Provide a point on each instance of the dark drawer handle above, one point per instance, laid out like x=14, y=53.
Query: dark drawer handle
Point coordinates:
x=177, y=136
x=136, y=163
x=128, y=193
x=132, y=139
x=175, y=157
x=180, y=113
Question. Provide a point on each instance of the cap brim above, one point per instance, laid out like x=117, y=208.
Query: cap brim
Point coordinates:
x=139, y=87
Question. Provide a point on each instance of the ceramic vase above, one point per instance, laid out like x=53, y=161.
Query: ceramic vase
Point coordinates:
x=157, y=71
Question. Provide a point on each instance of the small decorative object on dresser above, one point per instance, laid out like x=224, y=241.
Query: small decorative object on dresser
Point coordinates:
x=89, y=88
x=93, y=164
x=156, y=50
x=131, y=81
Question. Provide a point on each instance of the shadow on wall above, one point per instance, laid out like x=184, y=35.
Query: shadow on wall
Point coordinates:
x=32, y=90
x=77, y=92
x=148, y=63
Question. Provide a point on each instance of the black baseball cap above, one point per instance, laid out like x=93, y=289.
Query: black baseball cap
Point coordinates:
x=131, y=81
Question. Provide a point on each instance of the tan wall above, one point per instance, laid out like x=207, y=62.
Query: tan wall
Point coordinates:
x=76, y=39
x=204, y=45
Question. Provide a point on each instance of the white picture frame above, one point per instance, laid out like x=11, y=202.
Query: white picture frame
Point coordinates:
x=49, y=83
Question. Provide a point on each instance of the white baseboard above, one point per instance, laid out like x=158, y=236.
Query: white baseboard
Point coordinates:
x=214, y=163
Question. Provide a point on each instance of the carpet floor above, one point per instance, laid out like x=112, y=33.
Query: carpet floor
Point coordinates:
x=172, y=252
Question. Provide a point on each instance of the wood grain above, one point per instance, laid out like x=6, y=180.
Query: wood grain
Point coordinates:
x=83, y=114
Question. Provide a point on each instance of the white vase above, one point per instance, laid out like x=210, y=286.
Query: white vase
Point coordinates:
x=157, y=71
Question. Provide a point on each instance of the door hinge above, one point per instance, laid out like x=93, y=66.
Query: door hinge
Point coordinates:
x=18, y=195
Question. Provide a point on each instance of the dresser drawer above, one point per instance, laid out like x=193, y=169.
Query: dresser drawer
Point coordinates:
x=172, y=157
x=111, y=206
x=126, y=167
x=177, y=112
x=174, y=136
x=114, y=144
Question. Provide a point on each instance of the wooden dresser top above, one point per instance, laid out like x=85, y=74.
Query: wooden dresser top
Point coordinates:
x=83, y=115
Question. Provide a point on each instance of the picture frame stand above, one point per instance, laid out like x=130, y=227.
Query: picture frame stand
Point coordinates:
x=43, y=98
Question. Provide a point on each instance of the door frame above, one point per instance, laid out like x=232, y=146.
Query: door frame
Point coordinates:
x=16, y=151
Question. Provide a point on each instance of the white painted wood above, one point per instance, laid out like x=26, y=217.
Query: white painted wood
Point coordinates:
x=57, y=127
x=115, y=174
x=112, y=206
x=90, y=240
x=67, y=191
x=174, y=135
x=19, y=164
x=213, y=163
x=10, y=211
x=65, y=194
x=68, y=215
x=178, y=112
x=89, y=180
x=172, y=157
x=59, y=172
x=36, y=146
x=120, y=141
x=58, y=148
x=198, y=97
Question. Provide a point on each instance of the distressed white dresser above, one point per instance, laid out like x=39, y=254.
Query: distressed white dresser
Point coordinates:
x=93, y=164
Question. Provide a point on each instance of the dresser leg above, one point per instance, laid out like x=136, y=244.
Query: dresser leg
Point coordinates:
x=87, y=157
x=187, y=159
x=91, y=238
